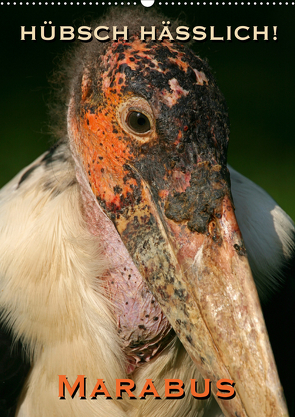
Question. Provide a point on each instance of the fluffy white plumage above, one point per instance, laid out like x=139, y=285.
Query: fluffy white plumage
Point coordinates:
x=49, y=268
x=49, y=264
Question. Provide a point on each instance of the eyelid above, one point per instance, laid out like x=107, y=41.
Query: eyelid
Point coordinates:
x=139, y=110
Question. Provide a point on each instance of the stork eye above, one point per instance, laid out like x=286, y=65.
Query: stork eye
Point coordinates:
x=138, y=122
x=136, y=117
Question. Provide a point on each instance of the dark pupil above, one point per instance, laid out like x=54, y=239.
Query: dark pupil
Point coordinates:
x=138, y=122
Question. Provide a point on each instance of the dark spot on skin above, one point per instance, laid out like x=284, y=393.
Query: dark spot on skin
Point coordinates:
x=141, y=326
x=90, y=109
x=136, y=344
x=100, y=157
x=118, y=190
x=164, y=295
x=241, y=250
x=124, y=69
x=156, y=318
x=147, y=315
x=203, y=360
x=102, y=170
x=115, y=131
x=189, y=339
x=89, y=173
x=180, y=294
x=120, y=48
x=126, y=302
x=146, y=245
x=120, y=80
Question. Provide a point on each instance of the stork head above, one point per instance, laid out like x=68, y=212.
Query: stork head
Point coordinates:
x=149, y=128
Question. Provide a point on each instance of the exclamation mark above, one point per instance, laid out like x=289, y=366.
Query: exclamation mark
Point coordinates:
x=275, y=33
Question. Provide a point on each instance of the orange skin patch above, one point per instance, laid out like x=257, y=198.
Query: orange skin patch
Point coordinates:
x=104, y=151
x=104, y=166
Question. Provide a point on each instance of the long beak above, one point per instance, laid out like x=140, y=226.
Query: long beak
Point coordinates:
x=204, y=285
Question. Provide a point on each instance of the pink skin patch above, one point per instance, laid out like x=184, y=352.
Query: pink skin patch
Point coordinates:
x=177, y=92
x=181, y=181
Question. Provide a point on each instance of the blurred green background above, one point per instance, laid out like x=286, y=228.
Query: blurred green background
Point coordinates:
x=257, y=79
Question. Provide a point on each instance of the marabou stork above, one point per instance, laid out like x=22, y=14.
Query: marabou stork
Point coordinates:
x=120, y=253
